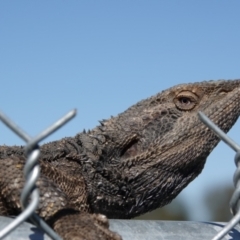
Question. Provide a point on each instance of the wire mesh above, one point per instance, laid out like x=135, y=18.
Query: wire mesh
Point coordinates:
x=31, y=173
x=235, y=200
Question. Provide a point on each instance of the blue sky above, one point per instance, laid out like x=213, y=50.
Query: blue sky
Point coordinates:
x=103, y=56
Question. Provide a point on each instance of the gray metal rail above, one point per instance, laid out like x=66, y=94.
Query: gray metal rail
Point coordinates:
x=129, y=229
x=139, y=230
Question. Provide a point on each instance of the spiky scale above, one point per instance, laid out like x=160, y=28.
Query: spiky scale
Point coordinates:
x=143, y=158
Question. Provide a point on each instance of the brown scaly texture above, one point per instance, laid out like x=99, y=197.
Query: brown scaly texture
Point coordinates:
x=130, y=164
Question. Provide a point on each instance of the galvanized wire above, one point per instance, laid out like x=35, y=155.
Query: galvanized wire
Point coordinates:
x=235, y=200
x=31, y=173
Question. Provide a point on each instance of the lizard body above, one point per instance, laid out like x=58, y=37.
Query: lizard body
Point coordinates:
x=130, y=164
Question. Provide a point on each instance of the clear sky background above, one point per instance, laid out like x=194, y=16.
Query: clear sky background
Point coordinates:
x=103, y=56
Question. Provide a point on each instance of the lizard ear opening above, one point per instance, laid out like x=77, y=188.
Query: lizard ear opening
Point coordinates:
x=130, y=150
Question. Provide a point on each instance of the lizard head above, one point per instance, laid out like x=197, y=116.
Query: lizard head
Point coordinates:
x=154, y=149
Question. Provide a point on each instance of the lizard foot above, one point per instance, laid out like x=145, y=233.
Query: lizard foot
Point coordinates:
x=84, y=226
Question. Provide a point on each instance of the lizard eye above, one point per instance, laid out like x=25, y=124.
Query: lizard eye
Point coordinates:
x=186, y=100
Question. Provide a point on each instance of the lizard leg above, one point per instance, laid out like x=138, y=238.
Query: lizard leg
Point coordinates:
x=83, y=226
x=54, y=206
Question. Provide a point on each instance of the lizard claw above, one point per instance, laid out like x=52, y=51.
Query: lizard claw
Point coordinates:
x=84, y=226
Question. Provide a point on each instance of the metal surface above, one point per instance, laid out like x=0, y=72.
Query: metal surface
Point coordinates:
x=25, y=231
x=169, y=230
x=139, y=230
x=31, y=173
x=235, y=200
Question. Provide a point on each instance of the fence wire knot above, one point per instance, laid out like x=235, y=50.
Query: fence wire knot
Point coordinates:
x=30, y=194
x=235, y=200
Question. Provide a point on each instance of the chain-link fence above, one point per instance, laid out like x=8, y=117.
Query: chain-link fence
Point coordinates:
x=158, y=230
x=31, y=173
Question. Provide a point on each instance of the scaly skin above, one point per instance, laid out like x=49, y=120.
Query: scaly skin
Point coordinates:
x=130, y=164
